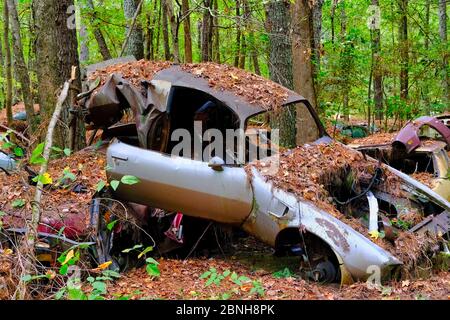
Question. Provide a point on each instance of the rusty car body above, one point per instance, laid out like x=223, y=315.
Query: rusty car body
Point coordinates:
x=420, y=147
x=229, y=194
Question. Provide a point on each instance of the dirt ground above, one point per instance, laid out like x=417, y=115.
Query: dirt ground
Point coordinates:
x=181, y=280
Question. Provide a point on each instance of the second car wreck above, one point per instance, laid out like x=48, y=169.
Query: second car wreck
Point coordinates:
x=344, y=214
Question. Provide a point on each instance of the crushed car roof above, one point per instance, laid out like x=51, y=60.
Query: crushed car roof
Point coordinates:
x=234, y=98
x=245, y=93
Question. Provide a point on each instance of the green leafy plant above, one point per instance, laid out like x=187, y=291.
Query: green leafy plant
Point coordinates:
x=127, y=180
x=257, y=289
x=45, y=179
x=66, y=178
x=100, y=186
x=285, y=273
x=152, y=268
x=18, y=203
x=37, y=155
x=8, y=144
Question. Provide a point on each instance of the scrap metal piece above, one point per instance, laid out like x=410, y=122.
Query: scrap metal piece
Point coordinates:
x=374, y=209
x=436, y=225
x=409, y=135
x=6, y=162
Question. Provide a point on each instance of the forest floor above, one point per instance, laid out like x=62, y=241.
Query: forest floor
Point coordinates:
x=276, y=278
x=181, y=279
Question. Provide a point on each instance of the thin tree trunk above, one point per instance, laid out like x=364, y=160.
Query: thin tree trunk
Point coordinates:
x=199, y=36
x=165, y=31
x=206, y=31
x=135, y=38
x=238, y=34
x=174, y=26
x=255, y=59
x=149, y=38
x=20, y=65
x=377, y=68
x=317, y=40
x=278, y=26
x=211, y=33
x=243, y=52
x=251, y=42
x=345, y=82
x=332, y=15
x=98, y=34
x=84, y=48
x=404, y=51
x=8, y=64
x=445, y=55
x=426, y=90
x=158, y=32
x=216, y=42
x=187, y=31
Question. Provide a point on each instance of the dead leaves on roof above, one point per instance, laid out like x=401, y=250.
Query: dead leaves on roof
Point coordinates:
x=252, y=88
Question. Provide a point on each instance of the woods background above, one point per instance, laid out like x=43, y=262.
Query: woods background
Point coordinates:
x=384, y=60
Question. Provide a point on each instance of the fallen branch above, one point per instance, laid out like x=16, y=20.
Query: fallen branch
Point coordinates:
x=21, y=136
x=32, y=226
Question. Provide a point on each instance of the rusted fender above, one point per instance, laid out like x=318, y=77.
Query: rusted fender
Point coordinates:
x=409, y=135
x=276, y=210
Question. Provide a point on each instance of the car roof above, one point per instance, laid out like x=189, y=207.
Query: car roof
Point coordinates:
x=244, y=109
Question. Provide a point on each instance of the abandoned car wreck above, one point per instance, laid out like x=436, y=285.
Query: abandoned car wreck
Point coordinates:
x=420, y=150
x=342, y=212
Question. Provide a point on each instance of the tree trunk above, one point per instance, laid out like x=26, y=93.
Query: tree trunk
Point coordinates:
x=243, y=52
x=84, y=48
x=344, y=59
x=238, y=34
x=332, y=15
x=280, y=65
x=54, y=66
x=317, y=39
x=103, y=47
x=165, y=30
x=8, y=64
x=206, y=31
x=20, y=65
x=187, y=31
x=174, y=27
x=135, y=45
x=158, y=31
x=303, y=68
x=426, y=90
x=216, y=42
x=149, y=38
x=377, y=68
x=404, y=50
x=445, y=54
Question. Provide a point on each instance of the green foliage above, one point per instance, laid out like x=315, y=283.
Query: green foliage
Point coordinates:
x=37, y=155
x=152, y=268
x=257, y=289
x=18, y=203
x=100, y=186
x=129, y=180
x=213, y=277
x=285, y=273
x=115, y=184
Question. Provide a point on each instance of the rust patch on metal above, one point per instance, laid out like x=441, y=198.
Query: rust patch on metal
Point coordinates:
x=335, y=235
